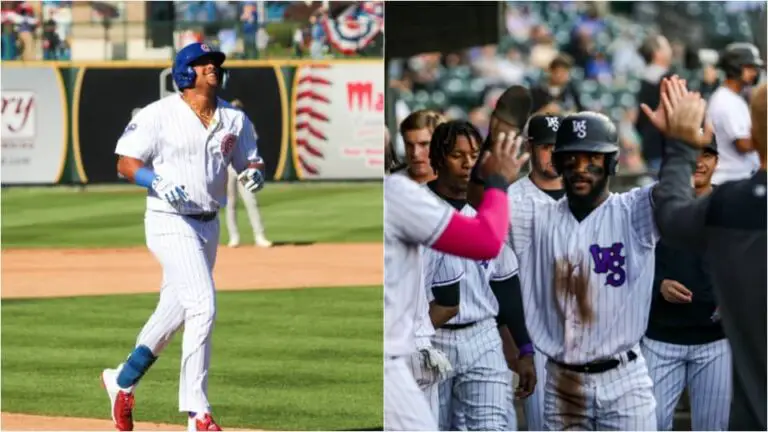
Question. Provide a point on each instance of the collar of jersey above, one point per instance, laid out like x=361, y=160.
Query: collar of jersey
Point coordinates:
x=458, y=204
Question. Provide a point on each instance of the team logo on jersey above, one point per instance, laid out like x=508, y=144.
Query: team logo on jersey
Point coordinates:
x=131, y=127
x=227, y=144
x=553, y=123
x=609, y=261
x=485, y=263
x=580, y=128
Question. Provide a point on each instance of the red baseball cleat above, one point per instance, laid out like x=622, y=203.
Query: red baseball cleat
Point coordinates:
x=121, y=400
x=206, y=424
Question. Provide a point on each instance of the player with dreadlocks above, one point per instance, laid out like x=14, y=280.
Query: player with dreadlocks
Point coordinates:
x=474, y=395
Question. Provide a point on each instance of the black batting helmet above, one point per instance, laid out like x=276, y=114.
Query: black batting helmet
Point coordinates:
x=738, y=55
x=588, y=132
x=542, y=128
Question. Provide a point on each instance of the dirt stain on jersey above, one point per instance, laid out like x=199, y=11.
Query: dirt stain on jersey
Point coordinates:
x=571, y=282
x=571, y=409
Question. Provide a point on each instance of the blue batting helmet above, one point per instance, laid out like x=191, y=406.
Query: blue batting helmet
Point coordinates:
x=184, y=75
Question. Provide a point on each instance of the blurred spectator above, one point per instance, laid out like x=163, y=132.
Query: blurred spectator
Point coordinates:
x=626, y=59
x=511, y=68
x=426, y=70
x=657, y=53
x=558, y=88
x=298, y=42
x=317, y=47
x=591, y=23
x=52, y=43
x=488, y=65
x=709, y=81
x=630, y=156
x=26, y=23
x=250, y=26
x=580, y=47
x=519, y=22
x=598, y=68
x=262, y=39
x=10, y=42
x=543, y=49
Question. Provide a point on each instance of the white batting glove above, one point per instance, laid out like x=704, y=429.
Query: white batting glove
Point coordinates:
x=437, y=360
x=252, y=179
x=173, y=194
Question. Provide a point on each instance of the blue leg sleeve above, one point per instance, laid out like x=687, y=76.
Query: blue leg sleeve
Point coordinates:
x=138, y=363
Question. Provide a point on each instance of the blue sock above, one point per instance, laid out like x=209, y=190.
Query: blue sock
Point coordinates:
x=138, y=363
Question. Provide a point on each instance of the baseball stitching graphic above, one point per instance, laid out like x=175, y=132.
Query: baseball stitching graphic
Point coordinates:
x=311, y=114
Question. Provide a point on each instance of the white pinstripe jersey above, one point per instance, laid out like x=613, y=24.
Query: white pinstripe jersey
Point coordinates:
x=476, y=299
x=525, y=187
x=170, y=139
x=614, y=246
x=413, y=216
x=440, y=269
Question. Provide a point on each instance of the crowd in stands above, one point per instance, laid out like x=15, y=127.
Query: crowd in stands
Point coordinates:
x=573, y=56
x=43, y=31
x=35, y=30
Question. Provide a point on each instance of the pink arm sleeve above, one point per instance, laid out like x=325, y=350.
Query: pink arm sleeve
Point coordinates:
x=481, y=237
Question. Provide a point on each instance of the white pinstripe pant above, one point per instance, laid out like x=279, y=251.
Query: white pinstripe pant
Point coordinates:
x=619, y=399
x=187, y=297
x=251, y=207
x=477, y=393
x=405, y=407
x=427, y=378
x=705, y=369
x=534, y=404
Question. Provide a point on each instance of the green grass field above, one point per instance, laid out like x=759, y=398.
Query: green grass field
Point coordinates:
x=290, y=359
x=114, y=216
x=282, y=360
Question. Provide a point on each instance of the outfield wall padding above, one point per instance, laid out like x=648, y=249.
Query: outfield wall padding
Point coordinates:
x=315, y=120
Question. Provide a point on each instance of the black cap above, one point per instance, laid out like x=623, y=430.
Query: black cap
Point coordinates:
x=514, y=106
x=542, y=128
x=712, y=147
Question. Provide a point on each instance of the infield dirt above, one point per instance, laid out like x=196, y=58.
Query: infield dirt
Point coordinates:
x=36, y=273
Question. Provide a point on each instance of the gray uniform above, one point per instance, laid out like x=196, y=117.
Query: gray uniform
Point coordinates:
x=728, y=227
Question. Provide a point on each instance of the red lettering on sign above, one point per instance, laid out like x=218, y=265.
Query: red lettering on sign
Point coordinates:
x=360, y=96
x=16, y=111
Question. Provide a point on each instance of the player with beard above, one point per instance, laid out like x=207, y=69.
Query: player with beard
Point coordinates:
x=542, y=183
x=586, y=270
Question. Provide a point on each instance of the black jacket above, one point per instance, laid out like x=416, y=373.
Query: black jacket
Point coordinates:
x=728, y=229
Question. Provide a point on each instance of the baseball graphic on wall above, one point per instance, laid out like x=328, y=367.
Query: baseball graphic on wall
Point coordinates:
x=338, y=117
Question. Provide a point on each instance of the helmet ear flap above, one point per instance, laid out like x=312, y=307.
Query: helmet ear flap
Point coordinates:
x=611, y=163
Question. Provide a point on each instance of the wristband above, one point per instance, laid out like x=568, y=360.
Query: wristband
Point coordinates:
x=496, y=181
x=525, y=350
x=144, y=177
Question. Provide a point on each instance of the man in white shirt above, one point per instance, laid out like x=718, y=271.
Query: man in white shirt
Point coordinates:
x=179, y=149
x=729, y=113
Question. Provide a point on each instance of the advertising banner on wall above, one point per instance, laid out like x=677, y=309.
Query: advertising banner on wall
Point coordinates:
x=106, y=100
x=338, y=121
x=34, y=125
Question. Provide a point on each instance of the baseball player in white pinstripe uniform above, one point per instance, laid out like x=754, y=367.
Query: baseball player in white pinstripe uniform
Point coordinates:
x=543, y=184
x=430, y=366
x=476, y=391
x=179, y=148
x=414, y=217
x=589, y=262
x=685, y=345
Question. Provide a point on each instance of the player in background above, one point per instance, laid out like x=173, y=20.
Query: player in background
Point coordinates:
x=729, y=114
x=509, y=116
x=414, y=217
x=587, y=264
x=416, y=131
x=727, y=228
x=685, y=345
x=251, y=207
x=542, y=183
x=475, y=395
x=179, y=148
